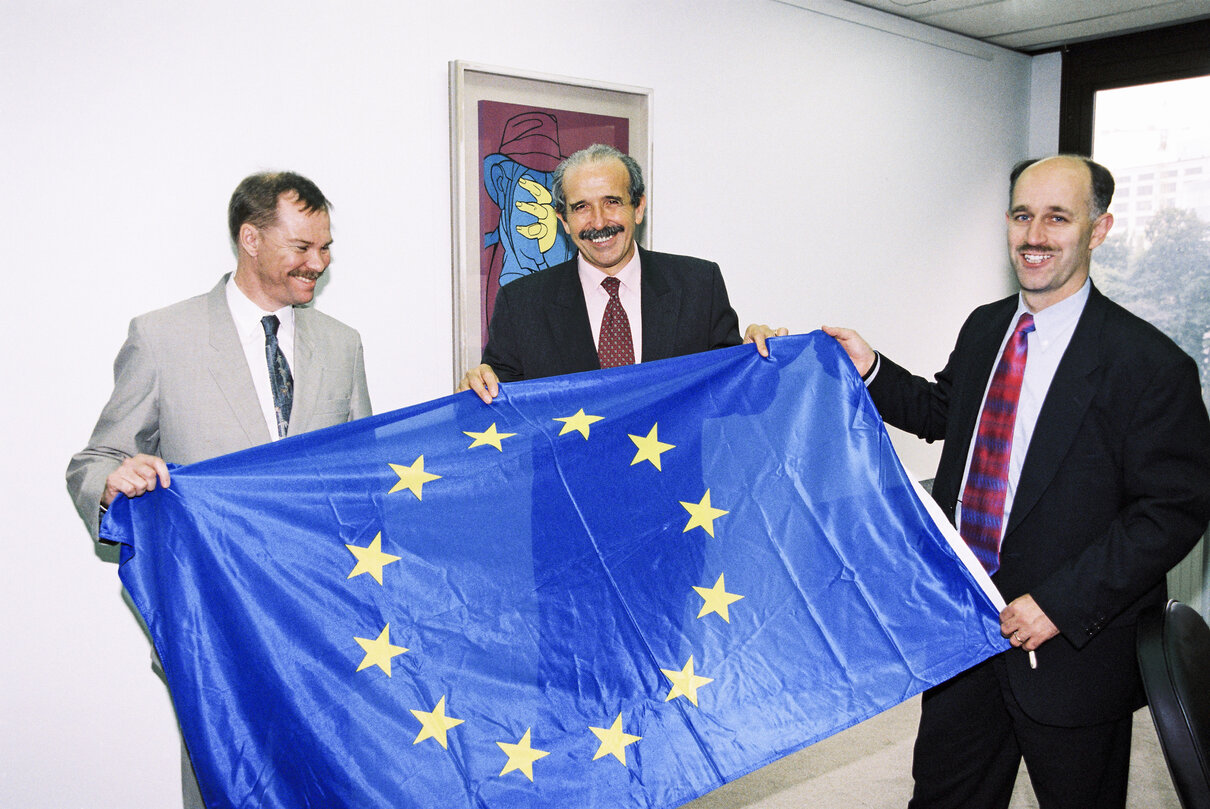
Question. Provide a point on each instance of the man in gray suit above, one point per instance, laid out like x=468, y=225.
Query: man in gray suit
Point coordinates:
x=241, y=365
x=192, y=381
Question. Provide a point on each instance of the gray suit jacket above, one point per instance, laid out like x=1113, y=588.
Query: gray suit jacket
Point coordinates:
x=183, y=391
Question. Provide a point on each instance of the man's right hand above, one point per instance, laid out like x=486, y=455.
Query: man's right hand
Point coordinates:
x=136, y=476
x=858, y=349
x=482, y=380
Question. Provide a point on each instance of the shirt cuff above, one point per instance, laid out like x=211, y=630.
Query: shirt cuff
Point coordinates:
x=869, y=375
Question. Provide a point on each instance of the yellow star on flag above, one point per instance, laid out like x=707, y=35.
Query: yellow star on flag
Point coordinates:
x=371, y=559
x=412, y=477
x=650, y=448
x=702, y=515
x=379, y=651
x=613, y=740
x=580, y=421
x=434, y=724
x=521, y=756
x=488, y=438
x=716, y=599
x=684, y=682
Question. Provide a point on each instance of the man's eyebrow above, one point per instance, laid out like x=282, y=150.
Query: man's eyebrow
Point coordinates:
x=1049, y=209
x=573, y=202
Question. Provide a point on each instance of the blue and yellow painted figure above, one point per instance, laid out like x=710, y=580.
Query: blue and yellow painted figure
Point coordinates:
x=529, y=234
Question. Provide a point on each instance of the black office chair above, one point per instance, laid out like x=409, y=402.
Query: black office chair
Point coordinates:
x=1174, y=658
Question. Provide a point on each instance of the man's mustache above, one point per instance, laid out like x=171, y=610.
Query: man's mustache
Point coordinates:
x=589, y=234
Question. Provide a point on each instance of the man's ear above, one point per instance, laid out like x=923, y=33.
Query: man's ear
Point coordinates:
x=640, y=210
x=1100, y=230
x=249, y=239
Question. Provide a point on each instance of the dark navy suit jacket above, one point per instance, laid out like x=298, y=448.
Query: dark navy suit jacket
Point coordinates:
x=1114, y=491
x=540, y=324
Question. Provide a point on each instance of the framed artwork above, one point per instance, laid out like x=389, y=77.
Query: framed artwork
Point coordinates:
x=508, y=132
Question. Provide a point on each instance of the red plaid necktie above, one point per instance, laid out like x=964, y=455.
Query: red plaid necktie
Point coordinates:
x=615, y=345
x=987, y=481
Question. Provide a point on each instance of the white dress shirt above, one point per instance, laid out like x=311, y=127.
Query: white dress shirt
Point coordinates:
x=596, y=298
x=247, y=316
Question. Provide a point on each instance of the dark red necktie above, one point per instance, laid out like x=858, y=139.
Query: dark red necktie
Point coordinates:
x=987, y=481
x=615, y=345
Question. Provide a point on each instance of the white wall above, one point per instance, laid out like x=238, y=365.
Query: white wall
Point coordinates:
x=1045, y=86
x=839, y=174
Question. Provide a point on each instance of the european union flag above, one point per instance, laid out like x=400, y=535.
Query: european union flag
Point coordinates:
x=619, y=589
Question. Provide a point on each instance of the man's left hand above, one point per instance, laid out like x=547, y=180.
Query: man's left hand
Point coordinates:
x=483, y=381
x=759, y=332
x=1025, y=625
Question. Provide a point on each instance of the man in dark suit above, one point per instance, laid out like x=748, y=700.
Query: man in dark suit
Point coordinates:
x=550, y=322
x=1105, y=486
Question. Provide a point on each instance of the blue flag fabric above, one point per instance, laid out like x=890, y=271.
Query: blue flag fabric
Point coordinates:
x=623, y=588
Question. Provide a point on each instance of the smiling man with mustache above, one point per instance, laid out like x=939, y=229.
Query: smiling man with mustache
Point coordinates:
x=1076, y=465
x=245, y=364
x=550, y=322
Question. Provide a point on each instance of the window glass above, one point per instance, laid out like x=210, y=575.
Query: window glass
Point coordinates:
x=1156, y=261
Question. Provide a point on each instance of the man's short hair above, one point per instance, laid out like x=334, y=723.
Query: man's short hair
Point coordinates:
x=255, y=199
x=1102, y=181
x=596, y=153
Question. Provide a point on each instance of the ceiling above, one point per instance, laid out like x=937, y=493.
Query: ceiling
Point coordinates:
x=1036, y=25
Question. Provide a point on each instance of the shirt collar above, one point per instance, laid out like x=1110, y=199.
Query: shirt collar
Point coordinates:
x=247, y=315
x=629, y=276
x=1058, y=316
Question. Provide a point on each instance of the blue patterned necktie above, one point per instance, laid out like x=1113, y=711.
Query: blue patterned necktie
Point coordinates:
x=280, y=378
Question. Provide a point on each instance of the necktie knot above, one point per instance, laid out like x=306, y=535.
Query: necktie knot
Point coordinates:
x=270, y=323
x=611, y=285
x=1026, y=324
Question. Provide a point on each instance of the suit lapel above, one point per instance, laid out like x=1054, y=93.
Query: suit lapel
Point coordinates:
x=967, y=401
x=308, y=377
x=568, y=319
x=660, y=303
x=229, y=367
x=1071, y=392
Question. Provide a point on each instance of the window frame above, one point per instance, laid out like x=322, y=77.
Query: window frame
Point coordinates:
x=1163, y=54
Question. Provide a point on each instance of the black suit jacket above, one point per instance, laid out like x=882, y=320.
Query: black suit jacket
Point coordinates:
x=1114, y=491
x=540, y=324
